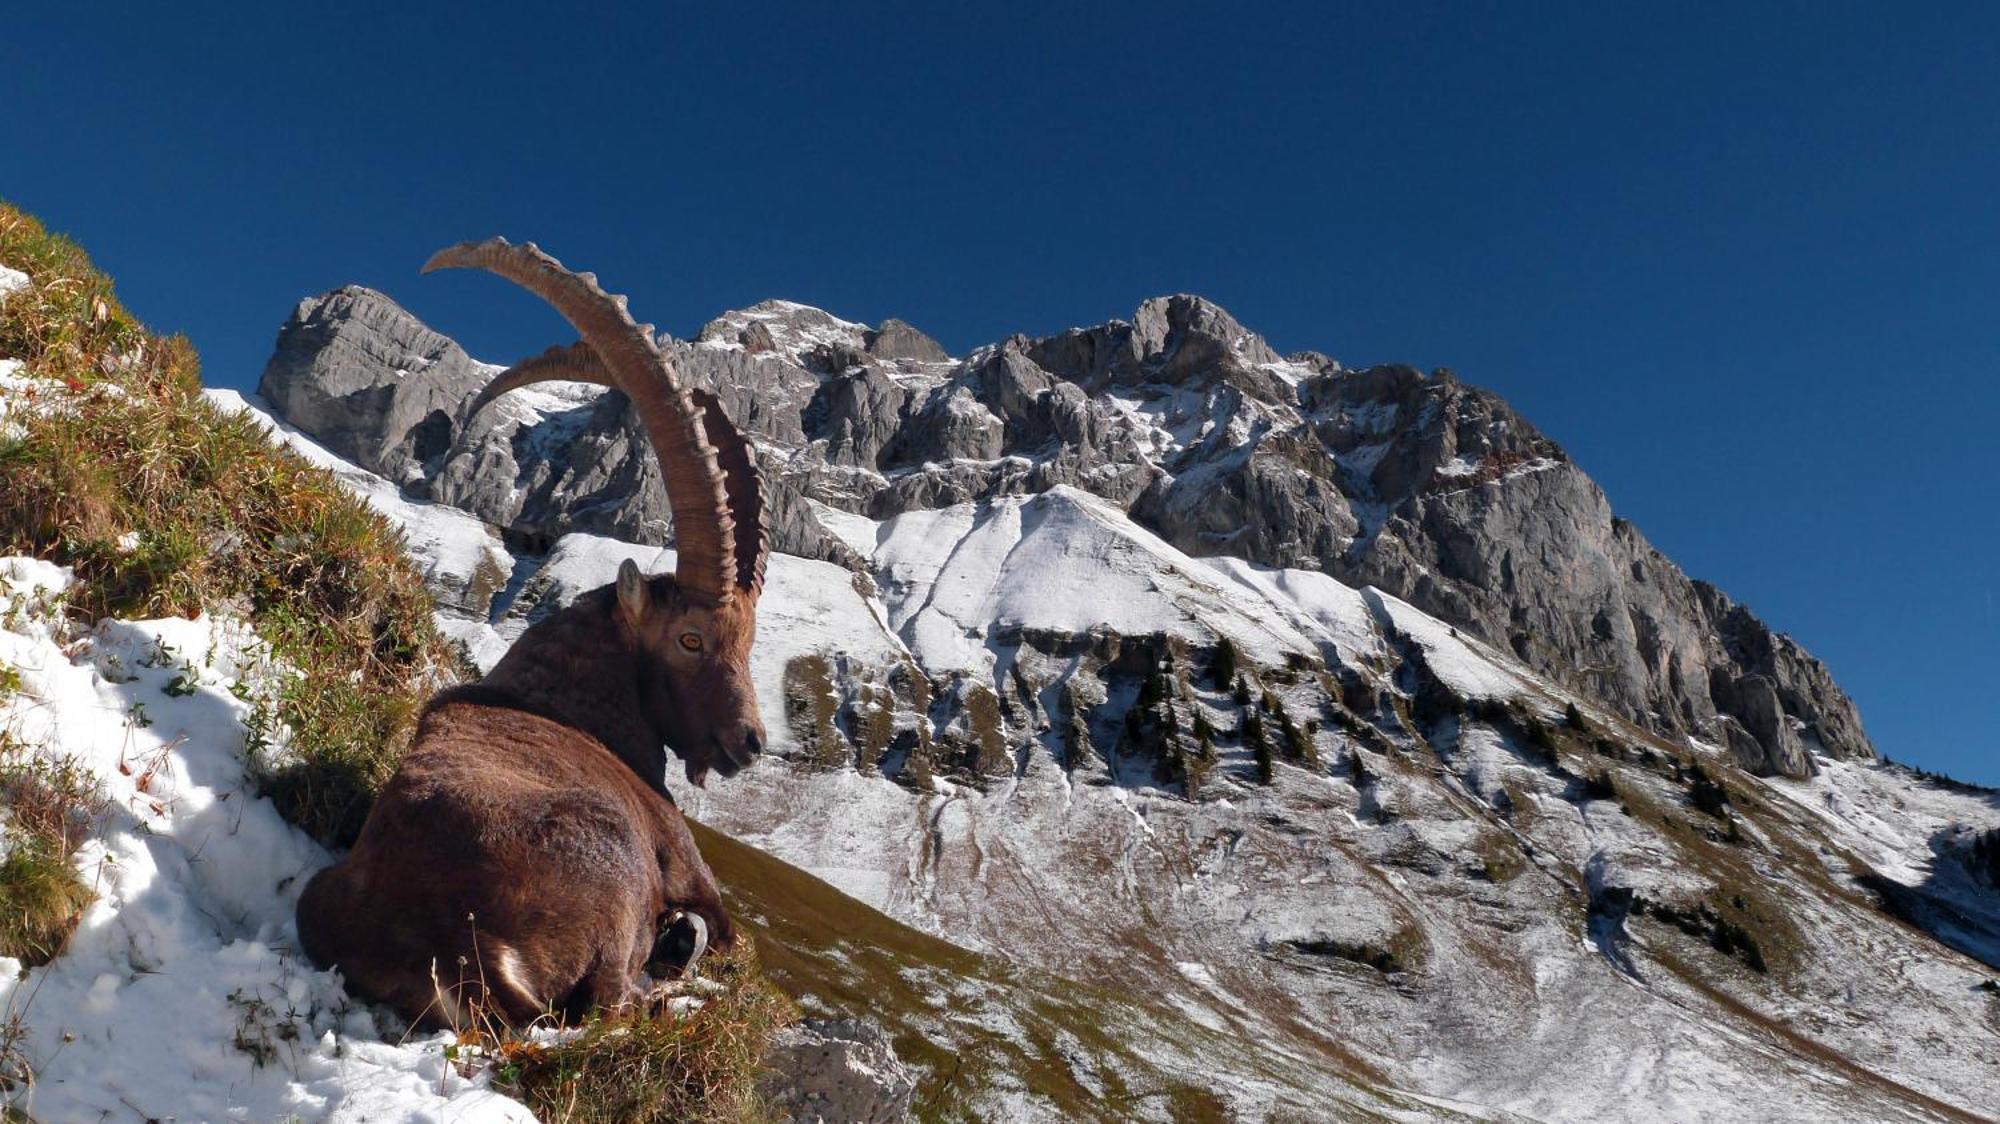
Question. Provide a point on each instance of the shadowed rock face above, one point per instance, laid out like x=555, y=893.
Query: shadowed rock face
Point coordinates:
x=1432, y=490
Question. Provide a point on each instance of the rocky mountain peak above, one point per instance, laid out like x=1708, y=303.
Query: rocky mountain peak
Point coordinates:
x=815, y=338
x=1431, y=489
x=1184, y=334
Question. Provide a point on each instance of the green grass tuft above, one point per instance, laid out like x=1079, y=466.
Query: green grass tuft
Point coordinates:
x=41, y=900
x=658, y=1068
x=50, y=805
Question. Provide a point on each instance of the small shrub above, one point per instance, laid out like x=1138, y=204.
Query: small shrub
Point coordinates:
x=1299, y=746
x=1153, y=690
x=1539, y=736
x=1706, y=793
x=1222, y=669
x=51, y=806
x=1204, y=731
x=1252, y=731
x=1984, y=855
x=41, y=901
x=1600, y=786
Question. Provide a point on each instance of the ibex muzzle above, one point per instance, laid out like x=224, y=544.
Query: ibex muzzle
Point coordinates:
x=526, y=857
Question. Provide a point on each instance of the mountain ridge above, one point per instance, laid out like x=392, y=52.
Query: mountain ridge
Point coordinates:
x=1422, y=485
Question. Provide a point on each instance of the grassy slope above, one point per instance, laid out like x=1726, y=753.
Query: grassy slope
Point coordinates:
x=114, y=464
x=986, y=1034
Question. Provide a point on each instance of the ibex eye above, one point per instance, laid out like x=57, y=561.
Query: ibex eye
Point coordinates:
x=691, y=641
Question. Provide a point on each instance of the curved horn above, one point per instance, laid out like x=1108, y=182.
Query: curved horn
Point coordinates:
x=575, y=363
x=700, y=928
x=746, y=491
x=704, y=538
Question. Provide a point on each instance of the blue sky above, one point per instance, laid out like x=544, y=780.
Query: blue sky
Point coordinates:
x=1744, y=266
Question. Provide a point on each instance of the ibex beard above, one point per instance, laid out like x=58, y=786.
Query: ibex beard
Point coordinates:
x=526, y=859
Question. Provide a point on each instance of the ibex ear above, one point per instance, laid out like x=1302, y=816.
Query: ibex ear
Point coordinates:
x=633, y=594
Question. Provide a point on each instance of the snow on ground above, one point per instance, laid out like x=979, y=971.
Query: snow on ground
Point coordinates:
x=1464, y=664
x=1064, y=561
x=180, y=996
x=1314, y=603
x=859, y=532
x=11, y=281
x=1884, y=816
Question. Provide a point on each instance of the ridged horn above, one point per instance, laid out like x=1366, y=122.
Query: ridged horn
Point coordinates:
x=745, y=488
x=704, y=537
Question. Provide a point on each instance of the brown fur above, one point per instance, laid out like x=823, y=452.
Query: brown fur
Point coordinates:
x=526, y=854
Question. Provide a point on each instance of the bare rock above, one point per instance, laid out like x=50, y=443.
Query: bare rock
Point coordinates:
x=369, y=381
x=836, y=1071
x=897, y=340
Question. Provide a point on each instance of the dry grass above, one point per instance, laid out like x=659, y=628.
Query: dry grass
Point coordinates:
x=50, y=805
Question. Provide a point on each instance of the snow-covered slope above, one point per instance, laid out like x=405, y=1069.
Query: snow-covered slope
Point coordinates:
x=1446, y=887
x=181, y=996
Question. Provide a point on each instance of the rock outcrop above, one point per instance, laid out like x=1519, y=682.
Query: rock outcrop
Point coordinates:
x=836, y=1071
x=1423, y=486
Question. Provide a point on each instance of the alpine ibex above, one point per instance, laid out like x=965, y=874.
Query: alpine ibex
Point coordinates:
x=526, y=857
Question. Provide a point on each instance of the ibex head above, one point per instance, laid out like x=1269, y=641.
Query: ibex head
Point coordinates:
x=697, y=679
x=689, y=633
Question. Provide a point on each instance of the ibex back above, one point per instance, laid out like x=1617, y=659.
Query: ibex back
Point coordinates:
x=526, y=857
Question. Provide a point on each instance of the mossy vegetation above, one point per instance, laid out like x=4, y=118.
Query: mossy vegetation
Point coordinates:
x=989, y=739
x=872, y=717
x=1724, y=933
x=1403, y=951
x=1499, y=856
